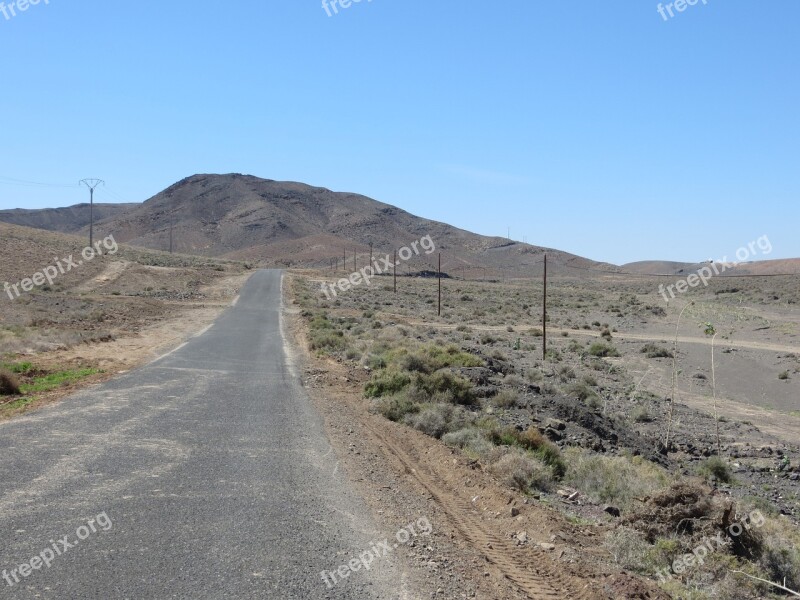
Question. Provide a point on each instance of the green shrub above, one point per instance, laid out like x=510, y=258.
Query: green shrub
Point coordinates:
x=446, y=383
x=717, y=468
x=327, y=339
x=603, y=350
x=533, y=441
x=433, y=358
x=18, y=368
x=655, y=351
x=396, y=408
x=386, y=383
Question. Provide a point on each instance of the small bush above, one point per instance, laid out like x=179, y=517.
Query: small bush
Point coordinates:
x=641, y=415
x=469, y=439
x=522, y=471
x=396, y=408
x=655, y=351
x=9, y=386
x=506, y=399
x=783, y=376
x=532, y=441
x=445, y=382
x=581, y=391
x=436, y=420
x=566, y=373
x=781, y=554
x=717, y=468
x=603, y=350
x=327, y=340
x=613, y=480
x=386, y=383
x=629, y=549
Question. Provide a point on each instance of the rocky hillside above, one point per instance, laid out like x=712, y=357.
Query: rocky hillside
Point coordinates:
x=293, y=224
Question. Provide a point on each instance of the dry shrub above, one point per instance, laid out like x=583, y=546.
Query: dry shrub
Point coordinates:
x=437, y=419
x=614, y=480
x=9, y=386
x=522, y=471
x=505, y=399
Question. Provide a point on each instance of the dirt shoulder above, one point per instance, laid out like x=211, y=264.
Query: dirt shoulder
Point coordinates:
x=488, y=541
x=131, y=345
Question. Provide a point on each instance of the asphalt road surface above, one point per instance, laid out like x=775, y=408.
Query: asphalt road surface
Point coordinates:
x=206, y=474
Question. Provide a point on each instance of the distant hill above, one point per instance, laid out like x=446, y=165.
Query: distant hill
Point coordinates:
x=789, y=266
x=293, y=224
x=63, y=220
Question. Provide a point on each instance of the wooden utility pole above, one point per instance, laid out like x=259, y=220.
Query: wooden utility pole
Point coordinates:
x=344, y=259
x=355, y=263
x=394, y=270
x=544, y=312
x=370, y=253
x=440, y=284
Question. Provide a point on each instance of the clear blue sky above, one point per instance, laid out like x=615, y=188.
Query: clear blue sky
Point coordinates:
x=593, y=127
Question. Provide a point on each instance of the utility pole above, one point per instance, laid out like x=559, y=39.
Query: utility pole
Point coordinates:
x=91, y=184
x=370, y=253
x=171, y=220
x=394, y=270
x=440, y=284
x=544, y=312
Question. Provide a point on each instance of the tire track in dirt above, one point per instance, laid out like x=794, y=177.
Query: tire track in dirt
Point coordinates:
x=543, y=582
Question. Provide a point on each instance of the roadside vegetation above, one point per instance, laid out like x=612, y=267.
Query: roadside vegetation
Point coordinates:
x=575, y=430
x=22, y=384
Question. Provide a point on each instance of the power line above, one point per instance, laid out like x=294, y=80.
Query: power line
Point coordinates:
x=25, y=183
x=113, y=195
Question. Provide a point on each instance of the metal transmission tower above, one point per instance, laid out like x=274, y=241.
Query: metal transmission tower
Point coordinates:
x=91, y=184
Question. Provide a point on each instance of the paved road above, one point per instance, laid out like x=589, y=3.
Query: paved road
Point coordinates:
x=211, y=467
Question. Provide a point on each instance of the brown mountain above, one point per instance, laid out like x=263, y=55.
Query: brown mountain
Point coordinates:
x=70, y=219
x=293, y=224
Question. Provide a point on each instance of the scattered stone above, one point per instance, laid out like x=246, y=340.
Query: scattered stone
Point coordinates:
x=556, y=424
x=546, y=546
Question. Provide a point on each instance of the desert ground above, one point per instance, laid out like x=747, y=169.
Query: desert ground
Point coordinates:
x=581, y=435
x=569, y=475
x=103, y=317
